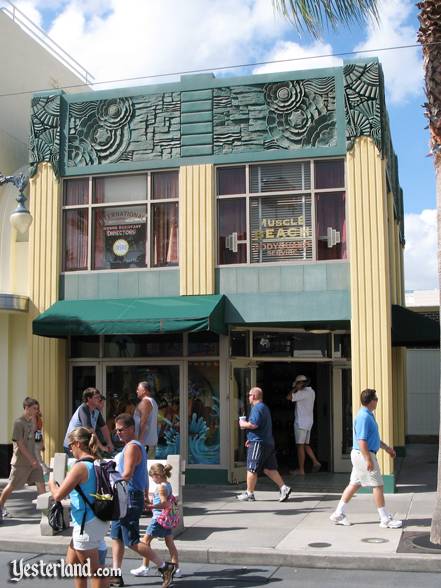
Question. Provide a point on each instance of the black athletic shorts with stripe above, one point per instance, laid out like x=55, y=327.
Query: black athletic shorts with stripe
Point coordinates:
x=261, y=457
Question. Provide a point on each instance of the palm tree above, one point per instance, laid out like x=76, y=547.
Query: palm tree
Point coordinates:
x=429, y=35
x=313, y=15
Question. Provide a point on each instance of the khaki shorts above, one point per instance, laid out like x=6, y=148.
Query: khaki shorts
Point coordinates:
x=21, y=475
x=94, y=532
x=302, y=435
x=360, y=475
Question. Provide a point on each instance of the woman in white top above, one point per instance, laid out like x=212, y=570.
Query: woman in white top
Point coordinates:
x=304, y=397
x=146, y=419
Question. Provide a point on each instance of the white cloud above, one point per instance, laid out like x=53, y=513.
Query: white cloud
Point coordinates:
x=302, y=57
x=402, y=67
x=420, y=254
x=129, y=38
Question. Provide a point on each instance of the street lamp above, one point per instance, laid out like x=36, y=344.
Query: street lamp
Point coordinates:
x=21, y=218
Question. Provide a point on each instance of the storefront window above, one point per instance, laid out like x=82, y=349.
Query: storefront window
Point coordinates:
x=203, y=344
x=120, y=237
x=125, y=212
x=143, y=345
x=282, y=216
x=121, y=383
x=239, y=344
x=290, y=344
x=85, y=346
x=203, y=413
x=342, y=346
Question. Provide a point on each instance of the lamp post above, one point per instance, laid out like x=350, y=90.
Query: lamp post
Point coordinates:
x=21, y=218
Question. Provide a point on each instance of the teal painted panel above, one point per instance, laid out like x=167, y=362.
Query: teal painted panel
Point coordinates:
x=199, y=106
x=210, y=476
x=70, y=287
x=337, y=276
x=291, y=278
x=197, y=128
x=196, y=95
x=194, y=151
x=107, y=283
x=197, y=117
x=269, y=279
x=149, y=283
x=205, y=139
x=314, y=277
x=128, y=284
x=247, y=279
x=169, y=282
x=87, y=286
x=226, y=280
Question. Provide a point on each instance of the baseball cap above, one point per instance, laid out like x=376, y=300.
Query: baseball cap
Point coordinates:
x=300, y=379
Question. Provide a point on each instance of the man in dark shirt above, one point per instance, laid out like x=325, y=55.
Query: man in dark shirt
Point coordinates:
x=88, y=415
x=261, y=455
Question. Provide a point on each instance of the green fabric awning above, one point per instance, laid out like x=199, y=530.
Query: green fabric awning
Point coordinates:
x=132, y=316
x=412, y=329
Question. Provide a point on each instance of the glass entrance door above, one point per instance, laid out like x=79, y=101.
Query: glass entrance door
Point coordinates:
x=243, y=377
x=120, y=388
x=82, y=376
x=342, y=410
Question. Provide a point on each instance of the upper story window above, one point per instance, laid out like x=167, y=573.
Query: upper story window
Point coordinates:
x=118, y=222
x=279, y=212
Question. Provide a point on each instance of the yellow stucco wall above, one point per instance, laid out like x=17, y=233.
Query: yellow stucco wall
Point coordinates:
x=47, y=360
x=196, y=229
x=370, y=284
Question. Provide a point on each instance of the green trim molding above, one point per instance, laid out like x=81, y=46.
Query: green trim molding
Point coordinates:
x=206, y=476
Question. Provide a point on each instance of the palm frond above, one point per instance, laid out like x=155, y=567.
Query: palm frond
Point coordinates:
x=317, y=15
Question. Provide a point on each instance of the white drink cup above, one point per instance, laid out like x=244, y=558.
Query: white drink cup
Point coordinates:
x=242, y=420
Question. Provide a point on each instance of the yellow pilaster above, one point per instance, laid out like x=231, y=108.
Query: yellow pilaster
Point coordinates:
x=47, y=358
x=370, y=284
x=196, y=229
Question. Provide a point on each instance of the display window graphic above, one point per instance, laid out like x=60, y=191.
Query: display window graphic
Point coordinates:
x=203, y=413
x=120, y=237
x=281, y=228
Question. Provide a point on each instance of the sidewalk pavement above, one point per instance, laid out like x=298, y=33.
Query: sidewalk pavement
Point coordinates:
x=297, y=533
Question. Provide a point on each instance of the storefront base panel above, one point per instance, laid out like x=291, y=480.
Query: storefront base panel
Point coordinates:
x=206, y=477
x=389, y=485
x=5, y=458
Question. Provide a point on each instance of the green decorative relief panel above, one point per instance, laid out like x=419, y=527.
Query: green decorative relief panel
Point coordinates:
x=44, y=144
x=362, y=102
x=285, y=115
x=124, y=129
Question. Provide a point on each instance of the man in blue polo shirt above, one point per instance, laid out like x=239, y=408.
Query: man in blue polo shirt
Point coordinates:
x=365, y=468
x=261, y=455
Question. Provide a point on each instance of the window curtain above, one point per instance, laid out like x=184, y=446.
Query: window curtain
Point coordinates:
x=165, y=235
x=232, y=219
x=231, y=180
x=98, y=225
x=330, y=212
x=76, y=239
x=76, y=192
x=165, y=185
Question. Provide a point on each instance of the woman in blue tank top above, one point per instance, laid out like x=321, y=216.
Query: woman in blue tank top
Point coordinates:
x=84, y=446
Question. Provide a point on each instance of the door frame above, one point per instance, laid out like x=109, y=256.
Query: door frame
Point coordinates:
x=341, y=463
x=237, y=473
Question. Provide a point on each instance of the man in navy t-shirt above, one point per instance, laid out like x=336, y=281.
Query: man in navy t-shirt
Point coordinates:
x=261, y=456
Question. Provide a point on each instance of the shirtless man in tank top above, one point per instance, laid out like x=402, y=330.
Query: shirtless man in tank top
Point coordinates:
x=146, y=419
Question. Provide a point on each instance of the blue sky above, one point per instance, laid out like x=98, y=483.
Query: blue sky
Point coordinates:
x=116, y=39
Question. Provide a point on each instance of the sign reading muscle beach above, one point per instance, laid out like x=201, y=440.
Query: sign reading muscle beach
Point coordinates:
x=278, y=235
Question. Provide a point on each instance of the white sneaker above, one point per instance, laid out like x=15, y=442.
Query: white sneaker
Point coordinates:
x=141, y=571
x=178, y=573
x=391, y=523
x=340, y=519
x=284, y=493
x=244, y=496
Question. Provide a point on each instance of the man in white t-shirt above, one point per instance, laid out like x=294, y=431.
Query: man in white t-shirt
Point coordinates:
x=304, y=397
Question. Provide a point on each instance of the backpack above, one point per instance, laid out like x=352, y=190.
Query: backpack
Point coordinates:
x=111, y=497
x=169, y=517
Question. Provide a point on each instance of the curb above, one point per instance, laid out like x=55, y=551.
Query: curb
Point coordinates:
x=261, y=556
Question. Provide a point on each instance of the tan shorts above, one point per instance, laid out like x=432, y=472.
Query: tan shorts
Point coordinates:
x=302, y=435
x=360, y=475
x=94, y=532
x=21, y=475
